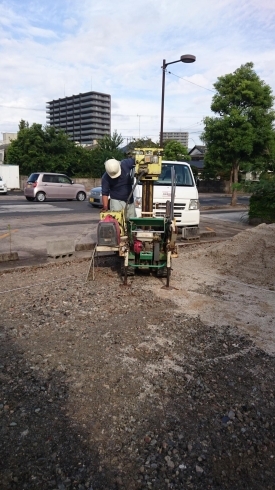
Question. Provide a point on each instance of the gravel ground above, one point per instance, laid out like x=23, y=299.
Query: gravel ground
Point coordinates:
x=111, y=387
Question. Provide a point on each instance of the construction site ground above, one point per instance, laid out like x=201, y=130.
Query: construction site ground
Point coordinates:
x=106, y=386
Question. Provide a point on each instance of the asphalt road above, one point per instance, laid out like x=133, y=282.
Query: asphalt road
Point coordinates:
x=15, y=204
x=26, y=227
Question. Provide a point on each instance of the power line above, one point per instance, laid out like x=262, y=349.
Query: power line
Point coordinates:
x=193, y=83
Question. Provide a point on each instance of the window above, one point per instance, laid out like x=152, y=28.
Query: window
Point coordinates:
x=183, y=175
x=33, y=178
x=63, y=179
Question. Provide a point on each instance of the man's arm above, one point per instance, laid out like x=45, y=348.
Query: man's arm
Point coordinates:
x=105, y=192
x=105, y=202
x=129, y=162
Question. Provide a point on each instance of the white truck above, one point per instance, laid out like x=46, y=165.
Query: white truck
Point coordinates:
x=186, y=204
x=10, y=176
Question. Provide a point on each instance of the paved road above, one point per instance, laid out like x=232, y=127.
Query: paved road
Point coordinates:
x=26, y=227
x=16, y=204
x=219, y=199
x=234, y=216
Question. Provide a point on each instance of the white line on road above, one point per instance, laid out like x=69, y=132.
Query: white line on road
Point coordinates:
x=27, y=208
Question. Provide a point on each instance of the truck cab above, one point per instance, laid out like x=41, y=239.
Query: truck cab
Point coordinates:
x=186, y=204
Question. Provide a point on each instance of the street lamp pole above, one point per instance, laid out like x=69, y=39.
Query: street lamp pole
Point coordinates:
x=185, y=58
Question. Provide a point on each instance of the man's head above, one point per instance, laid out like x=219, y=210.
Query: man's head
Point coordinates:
x=113, y=168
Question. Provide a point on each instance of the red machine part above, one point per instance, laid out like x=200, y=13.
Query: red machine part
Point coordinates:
x=108, y=232
x=110, y=219
x=138, y=246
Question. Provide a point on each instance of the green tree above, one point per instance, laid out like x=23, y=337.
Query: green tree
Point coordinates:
x=107, y=147
x=174, y=150
x=48, y=149
x=23, y=124
x=241, y=137
x=142, y=143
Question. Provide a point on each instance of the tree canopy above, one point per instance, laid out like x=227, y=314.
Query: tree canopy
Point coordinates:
x=142, y=143
x=107, y=147
x=174, y=150
x=47, y=149
x=241, y=136
x=50, y=149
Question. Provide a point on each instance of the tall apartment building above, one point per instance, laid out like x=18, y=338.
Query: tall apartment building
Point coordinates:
x=84, y=117
x=179, y=136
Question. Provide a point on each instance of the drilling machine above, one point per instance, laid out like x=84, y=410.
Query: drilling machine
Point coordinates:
x=146, y=243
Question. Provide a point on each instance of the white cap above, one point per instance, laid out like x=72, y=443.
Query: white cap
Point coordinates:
x=113, y=168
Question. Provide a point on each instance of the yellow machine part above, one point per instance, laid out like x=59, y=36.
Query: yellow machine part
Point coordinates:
x=149, y=160
x=119, y=216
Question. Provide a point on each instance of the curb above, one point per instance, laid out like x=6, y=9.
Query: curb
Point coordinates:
x=6, y=257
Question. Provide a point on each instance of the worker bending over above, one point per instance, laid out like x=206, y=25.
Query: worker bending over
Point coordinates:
x=117, y=183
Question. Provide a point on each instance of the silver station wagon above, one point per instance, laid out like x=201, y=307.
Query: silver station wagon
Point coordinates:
x=44, y=185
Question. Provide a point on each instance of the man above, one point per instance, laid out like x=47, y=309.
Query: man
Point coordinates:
x=117, y=183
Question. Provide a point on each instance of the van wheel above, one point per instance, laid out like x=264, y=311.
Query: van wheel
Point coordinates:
x=40, y=197
x=29, y=198
x=81, y=196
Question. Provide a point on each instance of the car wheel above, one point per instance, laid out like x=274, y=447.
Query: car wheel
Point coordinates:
x=40, y=197
x=29, y=198
x=81, y=196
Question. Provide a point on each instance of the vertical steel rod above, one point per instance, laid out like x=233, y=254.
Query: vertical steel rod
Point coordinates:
x=162, y=104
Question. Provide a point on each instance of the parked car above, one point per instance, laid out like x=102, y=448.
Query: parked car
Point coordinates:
x=95, y=197
x=45, y=185
x=3, y=186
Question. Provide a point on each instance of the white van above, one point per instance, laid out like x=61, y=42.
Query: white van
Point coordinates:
x=3, y=186
x=186, y=205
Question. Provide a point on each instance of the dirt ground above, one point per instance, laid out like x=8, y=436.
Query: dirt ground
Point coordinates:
x=111, y=387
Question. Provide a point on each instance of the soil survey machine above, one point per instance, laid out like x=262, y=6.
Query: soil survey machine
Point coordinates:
x=146, y=243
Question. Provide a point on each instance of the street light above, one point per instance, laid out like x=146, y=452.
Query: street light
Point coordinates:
x=185, y=58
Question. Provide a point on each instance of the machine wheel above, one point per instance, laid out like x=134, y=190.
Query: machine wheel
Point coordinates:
x=130, y=270
x=162, y=272
x=81, y=196
x=40, y=197
x=29, y=198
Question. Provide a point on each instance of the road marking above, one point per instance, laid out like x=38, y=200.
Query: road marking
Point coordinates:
x=7, y=234
x=209, y=229
x=31, y=208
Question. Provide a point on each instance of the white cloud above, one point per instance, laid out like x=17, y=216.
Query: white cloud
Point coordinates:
x=48, y=50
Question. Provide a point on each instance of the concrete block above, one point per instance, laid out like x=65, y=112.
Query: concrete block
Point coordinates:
x=82, y=246
x=207, y=234
x=190, y=233
x=60, y=248
x=7, y=257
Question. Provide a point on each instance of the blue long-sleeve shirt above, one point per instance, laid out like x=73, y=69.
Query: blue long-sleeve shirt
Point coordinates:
x=121, y=187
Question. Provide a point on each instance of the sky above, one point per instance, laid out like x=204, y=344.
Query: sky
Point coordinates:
x=51, y=49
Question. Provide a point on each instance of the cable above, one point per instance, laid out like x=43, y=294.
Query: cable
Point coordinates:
x=193, y=83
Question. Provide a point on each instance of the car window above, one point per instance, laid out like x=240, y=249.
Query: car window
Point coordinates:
x=63, y=179
x=33, y=178
x=48, y=178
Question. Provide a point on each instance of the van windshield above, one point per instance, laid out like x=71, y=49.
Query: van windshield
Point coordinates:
x=183, y=175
